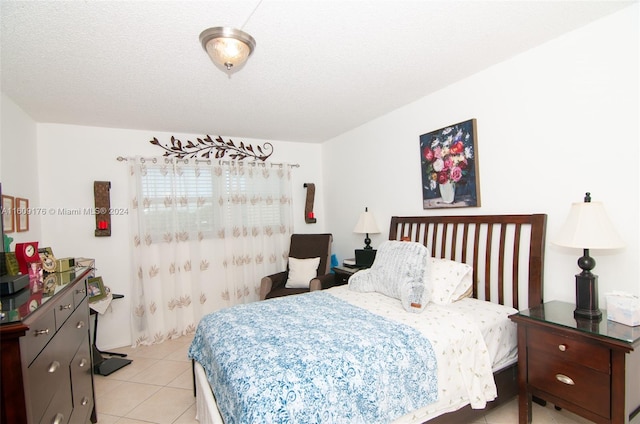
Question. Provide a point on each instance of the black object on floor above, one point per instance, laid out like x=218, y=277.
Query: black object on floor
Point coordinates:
x=101, y=365
x=110, y=365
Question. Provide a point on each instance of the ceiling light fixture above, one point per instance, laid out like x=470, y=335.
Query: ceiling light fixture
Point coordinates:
x=228, y=48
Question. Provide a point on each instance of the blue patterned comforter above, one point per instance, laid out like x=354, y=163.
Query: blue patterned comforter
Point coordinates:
x=313, y=358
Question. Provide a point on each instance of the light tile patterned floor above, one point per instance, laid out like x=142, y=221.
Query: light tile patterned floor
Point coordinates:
x=157, y=388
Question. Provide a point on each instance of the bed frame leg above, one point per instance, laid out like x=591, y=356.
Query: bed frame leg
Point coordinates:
x=193, y=374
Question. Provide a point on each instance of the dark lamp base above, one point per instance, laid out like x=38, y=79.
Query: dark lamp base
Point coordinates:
x=367, y=242
x=587, y=297
x=587, y=314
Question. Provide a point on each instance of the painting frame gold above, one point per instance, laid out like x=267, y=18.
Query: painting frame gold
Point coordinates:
x=22, y=214
x=8, y=219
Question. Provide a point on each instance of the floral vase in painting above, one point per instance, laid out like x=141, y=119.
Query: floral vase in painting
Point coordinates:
x=448, y=192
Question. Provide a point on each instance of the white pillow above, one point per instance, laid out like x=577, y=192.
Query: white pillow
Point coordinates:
x=301, y=272
x=400, y=270
x=449, y=281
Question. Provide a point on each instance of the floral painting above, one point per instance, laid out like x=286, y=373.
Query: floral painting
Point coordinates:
x=449, y=158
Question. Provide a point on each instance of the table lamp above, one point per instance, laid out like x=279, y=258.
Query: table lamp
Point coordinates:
x=366, y=225
x=588, y=227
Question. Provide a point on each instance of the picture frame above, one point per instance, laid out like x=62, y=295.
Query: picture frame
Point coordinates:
x=49, y=263
x=22, y=214
x=46, y=250
x=96, y=289
x=8, y=221
x=450, y=167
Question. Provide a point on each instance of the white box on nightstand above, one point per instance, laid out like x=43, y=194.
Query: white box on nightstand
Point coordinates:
x=623, y=308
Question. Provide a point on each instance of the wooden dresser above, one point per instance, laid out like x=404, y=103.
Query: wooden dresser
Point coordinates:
x=46, y=352
x=591, y=368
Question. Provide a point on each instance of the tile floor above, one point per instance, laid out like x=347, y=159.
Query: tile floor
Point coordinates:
x=157, y=388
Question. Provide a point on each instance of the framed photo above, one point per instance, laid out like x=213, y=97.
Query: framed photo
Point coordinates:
x=449, y=161
x=46, y=250
x=8, y=221
x=22, y=214
x=49, y=263
x=96, y=289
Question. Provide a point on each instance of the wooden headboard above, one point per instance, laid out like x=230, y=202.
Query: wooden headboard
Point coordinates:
x=505, y=251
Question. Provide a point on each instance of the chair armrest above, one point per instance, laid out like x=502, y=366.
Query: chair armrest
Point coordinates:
x=271, y=282
x=322, y=282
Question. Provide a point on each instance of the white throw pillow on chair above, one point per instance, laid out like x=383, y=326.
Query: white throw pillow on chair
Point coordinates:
x=301, y=272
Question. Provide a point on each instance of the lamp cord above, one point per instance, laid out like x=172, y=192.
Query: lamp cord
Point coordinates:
x=251, y=14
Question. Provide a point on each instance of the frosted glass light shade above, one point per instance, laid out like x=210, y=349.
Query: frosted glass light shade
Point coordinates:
x=227, y=47
x=588, y=227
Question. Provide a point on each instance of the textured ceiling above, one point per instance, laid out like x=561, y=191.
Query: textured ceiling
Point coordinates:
x=320, y=68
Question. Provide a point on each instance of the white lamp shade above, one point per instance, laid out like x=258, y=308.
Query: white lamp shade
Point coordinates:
x=227, y=47
x=366, y=224
x=588, y=227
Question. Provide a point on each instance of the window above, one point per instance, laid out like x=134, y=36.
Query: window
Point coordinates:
x=194, y=200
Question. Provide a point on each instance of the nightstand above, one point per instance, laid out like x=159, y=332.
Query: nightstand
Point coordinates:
x=342, y=274
x=589, y=368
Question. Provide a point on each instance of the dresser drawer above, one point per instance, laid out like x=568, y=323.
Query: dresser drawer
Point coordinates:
x=41, y=330
x=80, y=292
x=568, y=380
x=82, y=384
x=46, y=375
x=580, y=352
x=78, y=323
x=60, y=408
x=63, y=308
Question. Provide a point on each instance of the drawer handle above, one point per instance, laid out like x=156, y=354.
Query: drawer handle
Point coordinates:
x=564, y=379
x=41, y=332
x=54, y=366
x=81, y=291
x=59, y=418
x=80, y=324
x=63, y=307
x=83, y=362
x=562, y=347
x=84, y=401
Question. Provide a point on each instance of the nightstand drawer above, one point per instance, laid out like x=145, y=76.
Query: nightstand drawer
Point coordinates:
x=341, y=279
x=577, y=351
x=567, y=380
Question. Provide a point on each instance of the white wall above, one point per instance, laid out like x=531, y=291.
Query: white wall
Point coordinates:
x=553, y=123
x=18, y=161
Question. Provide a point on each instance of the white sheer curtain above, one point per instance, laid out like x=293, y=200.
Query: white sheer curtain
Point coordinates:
x=203, y=235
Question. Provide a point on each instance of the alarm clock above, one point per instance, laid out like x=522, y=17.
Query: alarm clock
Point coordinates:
x=25, y=254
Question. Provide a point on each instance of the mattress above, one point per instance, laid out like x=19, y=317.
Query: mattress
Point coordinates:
x=465, y=318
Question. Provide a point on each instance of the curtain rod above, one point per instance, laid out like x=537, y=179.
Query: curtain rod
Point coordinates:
x=210, y=161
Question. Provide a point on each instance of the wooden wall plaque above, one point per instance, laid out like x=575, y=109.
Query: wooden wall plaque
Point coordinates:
x=102, y=194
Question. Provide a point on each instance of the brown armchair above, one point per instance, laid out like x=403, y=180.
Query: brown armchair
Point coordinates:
x=303, y=246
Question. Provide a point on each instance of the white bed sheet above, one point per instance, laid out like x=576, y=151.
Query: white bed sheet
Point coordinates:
x=491, y=320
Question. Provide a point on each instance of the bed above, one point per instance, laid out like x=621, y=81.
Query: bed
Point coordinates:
x=505, y=255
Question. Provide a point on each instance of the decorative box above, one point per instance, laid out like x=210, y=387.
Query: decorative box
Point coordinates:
x=65, y=264
x=623, y=308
